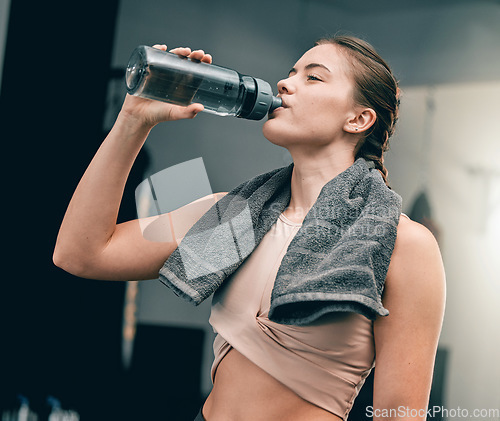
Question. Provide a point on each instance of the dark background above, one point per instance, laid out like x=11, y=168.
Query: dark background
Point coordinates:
x=60, y=332
x=61, y=335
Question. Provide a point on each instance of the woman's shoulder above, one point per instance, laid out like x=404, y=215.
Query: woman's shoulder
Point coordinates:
x=175, y=224
x=412, y=235
x=416, y=258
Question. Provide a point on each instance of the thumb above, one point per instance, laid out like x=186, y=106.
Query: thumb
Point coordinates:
x=192, y=110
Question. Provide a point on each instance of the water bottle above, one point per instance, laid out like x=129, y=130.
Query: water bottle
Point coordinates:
x=162, y=76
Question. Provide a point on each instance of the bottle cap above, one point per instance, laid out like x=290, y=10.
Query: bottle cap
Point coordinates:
x=264, y=100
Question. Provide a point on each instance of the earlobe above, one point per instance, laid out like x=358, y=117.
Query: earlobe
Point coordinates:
x=361, y=122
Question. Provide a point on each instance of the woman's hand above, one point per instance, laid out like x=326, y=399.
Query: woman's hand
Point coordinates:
x=148, y=112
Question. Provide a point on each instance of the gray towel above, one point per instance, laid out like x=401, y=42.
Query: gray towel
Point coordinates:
x=337, y=261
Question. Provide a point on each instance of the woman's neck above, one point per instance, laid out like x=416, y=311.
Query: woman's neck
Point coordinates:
x=310, y=174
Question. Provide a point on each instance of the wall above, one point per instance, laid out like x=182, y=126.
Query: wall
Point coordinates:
x=454, y=161
x=454, y=46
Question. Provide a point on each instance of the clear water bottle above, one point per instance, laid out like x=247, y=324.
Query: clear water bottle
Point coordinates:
x=162, y=76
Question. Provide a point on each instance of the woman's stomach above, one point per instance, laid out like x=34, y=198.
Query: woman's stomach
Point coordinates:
x=243, y=391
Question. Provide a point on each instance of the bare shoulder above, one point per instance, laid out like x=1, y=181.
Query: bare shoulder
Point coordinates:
x=413, y=236
x=416, y=272
x=179, y=221
x=415, y=245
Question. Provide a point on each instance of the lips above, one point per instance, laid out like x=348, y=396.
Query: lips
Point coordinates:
x=283, y=103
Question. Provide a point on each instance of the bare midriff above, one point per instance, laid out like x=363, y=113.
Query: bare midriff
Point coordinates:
x=244, y=392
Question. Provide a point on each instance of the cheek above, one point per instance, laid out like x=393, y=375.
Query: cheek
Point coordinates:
x=331, y=112
x=317, y=117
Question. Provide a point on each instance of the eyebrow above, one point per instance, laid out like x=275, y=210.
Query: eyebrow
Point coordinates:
x=310, y=66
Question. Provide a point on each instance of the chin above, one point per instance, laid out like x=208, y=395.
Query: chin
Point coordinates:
x=275, y=133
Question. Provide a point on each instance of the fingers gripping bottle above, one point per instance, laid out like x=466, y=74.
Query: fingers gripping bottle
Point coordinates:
x=159, y=75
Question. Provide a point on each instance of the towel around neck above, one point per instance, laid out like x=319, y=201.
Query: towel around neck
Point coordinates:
x=337, y=261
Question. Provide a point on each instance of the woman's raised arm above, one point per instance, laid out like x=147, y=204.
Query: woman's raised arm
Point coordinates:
x=90, y=244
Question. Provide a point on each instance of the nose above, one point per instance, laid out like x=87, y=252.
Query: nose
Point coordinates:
x=284, y=86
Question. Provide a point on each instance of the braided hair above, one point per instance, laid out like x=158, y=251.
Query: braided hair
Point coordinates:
x=376, y=88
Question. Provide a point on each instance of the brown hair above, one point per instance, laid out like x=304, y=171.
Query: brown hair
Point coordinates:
x=376, y=88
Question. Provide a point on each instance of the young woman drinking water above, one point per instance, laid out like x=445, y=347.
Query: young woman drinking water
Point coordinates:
x=333, y=277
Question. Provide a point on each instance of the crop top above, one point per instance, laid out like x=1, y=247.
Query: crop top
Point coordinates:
x=325, y=363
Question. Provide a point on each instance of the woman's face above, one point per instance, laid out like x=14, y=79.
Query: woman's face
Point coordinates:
x=317, y=100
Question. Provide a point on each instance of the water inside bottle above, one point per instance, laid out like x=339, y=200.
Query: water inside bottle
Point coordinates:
x=175, y=87
x=219, y=93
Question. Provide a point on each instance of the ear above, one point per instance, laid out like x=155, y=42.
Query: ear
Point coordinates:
x=361, y=122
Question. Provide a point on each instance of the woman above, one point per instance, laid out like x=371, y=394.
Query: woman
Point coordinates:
x=340, y=104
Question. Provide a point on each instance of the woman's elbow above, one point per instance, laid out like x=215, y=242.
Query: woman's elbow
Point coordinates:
x=70, y=261
x=65, y=262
